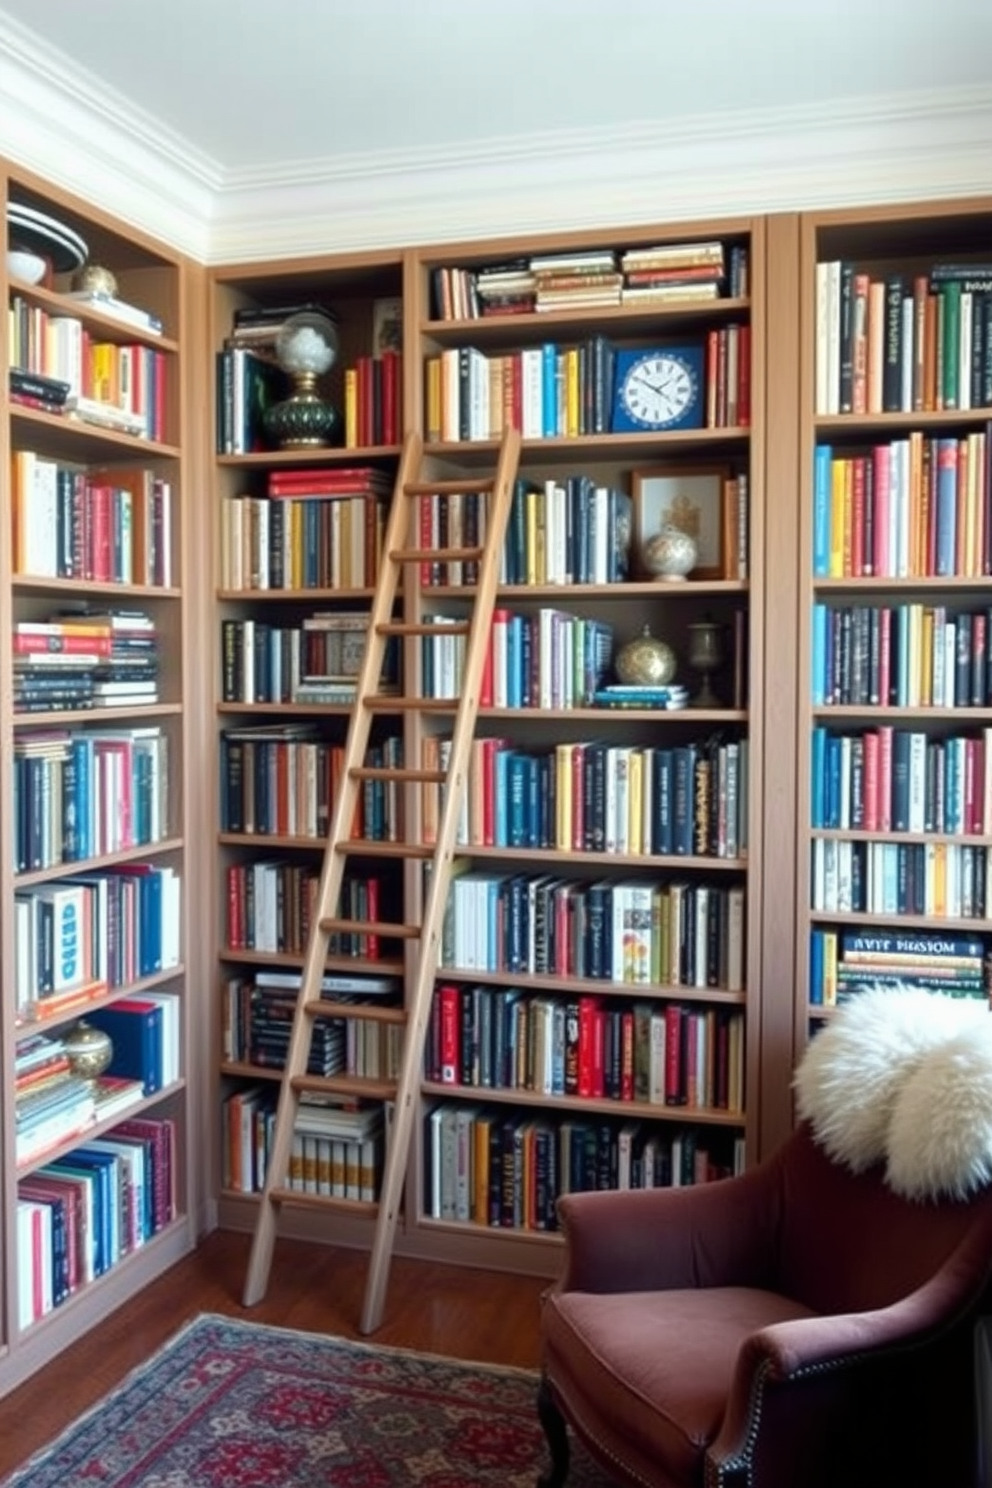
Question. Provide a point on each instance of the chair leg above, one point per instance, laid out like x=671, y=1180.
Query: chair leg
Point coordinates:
x=556, y=1431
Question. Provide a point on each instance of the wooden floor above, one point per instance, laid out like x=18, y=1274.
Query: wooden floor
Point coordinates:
x=438, y=1309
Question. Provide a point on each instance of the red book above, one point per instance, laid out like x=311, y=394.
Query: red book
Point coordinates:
x=885, y=778
x=30, y=643
x=674, y=1061
x=627, y=1056
x=744, y=376
x=390, y=396
x=450, y=1010
x=869, y=804
x=858, y=569
x=588, y=1009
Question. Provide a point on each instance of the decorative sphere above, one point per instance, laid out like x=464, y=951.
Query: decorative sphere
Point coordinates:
x=90, y=1049
x=307, y=343
x=670, y=554
x=96, y=280
x=646, y=661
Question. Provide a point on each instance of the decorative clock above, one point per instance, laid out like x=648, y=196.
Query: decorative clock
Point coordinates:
x=658, y=388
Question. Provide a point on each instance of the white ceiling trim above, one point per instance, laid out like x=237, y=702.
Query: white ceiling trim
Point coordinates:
x=909, y=146
x=67, y=126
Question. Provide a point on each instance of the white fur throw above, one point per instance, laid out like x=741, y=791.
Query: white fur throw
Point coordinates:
x=876, y=1076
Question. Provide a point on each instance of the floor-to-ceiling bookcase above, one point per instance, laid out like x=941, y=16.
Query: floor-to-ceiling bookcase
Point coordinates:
x=94, y=764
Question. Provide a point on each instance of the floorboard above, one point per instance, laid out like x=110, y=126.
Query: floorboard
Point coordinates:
x=439, y=1309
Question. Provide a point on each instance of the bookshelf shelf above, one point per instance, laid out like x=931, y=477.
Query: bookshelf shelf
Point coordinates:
x=588, y=447
x=587, y=1105
x=96, y=566
x=622, y=320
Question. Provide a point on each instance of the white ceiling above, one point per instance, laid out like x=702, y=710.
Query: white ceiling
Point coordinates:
x=255, y=83
x=364, y=112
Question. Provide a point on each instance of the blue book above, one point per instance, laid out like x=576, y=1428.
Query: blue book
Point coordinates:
x=819, y=678
x=135, y=1027
x=663, y=815
x=818, y=771
x=517, y=774
x=549, y=390
x=816, y=967
x=501, y=797
x=822, y=480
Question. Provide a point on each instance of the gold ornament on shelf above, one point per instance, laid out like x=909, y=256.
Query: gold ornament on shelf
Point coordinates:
x=94, y=279
x=645, y=661
x=90, y=1049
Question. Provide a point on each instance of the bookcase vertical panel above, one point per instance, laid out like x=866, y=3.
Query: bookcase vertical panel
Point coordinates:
x=111, y=478
x=892, y=878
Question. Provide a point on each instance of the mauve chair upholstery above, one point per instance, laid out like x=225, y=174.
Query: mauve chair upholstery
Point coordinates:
x=797, y=1327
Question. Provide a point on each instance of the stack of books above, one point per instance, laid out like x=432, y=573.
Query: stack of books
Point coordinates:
x=34, y=390
x=673, y=271
x=570, y=281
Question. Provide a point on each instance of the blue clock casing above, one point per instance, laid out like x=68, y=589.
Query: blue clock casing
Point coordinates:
x=658, y=388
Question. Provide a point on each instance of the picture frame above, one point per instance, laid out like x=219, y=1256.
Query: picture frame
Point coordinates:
x=694, y=498
x=387, y=325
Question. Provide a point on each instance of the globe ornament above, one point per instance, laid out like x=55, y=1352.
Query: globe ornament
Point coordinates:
x=306, y=348
x=646, y=661
x=669, y=554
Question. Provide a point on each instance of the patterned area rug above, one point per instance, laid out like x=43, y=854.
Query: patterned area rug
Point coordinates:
x=227, y=1404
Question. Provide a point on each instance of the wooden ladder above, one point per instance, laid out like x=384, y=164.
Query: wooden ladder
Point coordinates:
x=400, y=549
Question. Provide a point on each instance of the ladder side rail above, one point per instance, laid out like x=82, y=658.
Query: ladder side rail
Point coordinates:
x=437, y=890
x=331, y=877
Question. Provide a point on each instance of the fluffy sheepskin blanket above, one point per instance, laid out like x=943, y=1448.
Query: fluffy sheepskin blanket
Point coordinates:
x=903, y=1077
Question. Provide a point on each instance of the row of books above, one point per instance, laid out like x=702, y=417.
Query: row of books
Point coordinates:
x=282, y=780
x=575, y=530
x=498, y=1038
x=915, y=507
x=106, y=524
x=659, y=934
x=118, y=385
x=687, y=800
x=595, y=277
x=544, y=391
x=266, y=663
x=903, y=344
x=373, y=400
x=76, y=938
x=547, y=658
x=902, y=780
x=270, y=905
x=257, y=1013
x=81, y=793
x=949, y=879
x=85, y=660
x=506, y=1170
x=80, y=1216
x=337, y=1147
x=906, y=655
x=843, y=962
x=315, y=533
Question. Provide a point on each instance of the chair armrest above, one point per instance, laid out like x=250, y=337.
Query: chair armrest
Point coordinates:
x=784, y=1352
x=710, y=1234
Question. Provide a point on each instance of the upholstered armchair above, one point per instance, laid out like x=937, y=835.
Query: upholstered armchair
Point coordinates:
x=800, y=1326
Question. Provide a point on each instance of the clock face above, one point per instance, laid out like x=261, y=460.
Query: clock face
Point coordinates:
x=658, y=390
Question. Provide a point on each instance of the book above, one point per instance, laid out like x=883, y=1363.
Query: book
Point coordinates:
x=117, y=309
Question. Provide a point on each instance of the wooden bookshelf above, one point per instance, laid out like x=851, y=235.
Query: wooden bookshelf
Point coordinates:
x=118, y=538
x=891, y=844
x=609, y=456
x=353, y=289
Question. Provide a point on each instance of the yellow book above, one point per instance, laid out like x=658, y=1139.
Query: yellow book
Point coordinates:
x=530, y=536
x=830, y=968
x=573, y=421
x=838, y=511
x=497, y=365
x=917, y=531
x=926, y=657
x=345, y=579
x=351, y=408
x=563, y=796
x=103, y=372
x=296, y=544
x=635, y=802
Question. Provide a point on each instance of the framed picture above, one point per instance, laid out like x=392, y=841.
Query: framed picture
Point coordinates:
x=693, y=498
x=387, y=325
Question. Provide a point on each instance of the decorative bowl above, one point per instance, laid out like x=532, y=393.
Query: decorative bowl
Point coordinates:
x=30, y=268
x=669, y=554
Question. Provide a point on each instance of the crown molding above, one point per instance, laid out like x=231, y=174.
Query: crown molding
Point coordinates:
x=865, y=150
x=120, y=156
x=907, y=147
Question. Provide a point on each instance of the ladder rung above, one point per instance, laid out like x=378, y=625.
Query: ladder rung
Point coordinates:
x=433, y=555
x=368, y=1011
x=422, y=628
x=397, y=772
x=368, y=848
x=388, y=930
x=448, y=487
